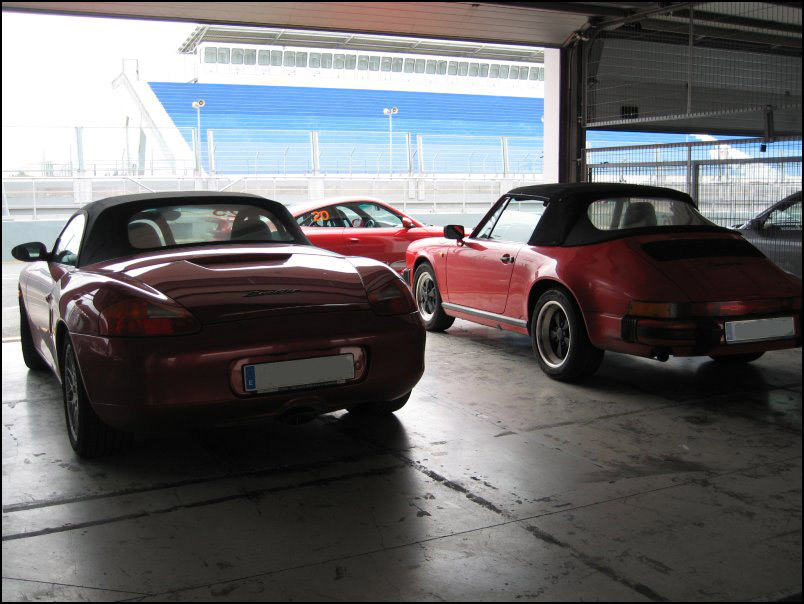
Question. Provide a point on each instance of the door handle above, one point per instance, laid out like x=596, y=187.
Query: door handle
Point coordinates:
x=354, y=240
x=507, y=259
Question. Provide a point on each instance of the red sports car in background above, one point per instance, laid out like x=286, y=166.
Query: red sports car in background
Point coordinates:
x=210, y=308
x=361, y=226
x=584, y=268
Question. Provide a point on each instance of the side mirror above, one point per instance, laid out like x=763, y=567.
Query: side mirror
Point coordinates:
x=407, y=223
x=454, y=231
x=30, y=252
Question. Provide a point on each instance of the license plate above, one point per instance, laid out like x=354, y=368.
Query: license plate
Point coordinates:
x=299, y=373
x=760, y=329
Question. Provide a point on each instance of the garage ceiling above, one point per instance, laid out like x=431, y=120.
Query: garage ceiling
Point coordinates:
x=484, y=22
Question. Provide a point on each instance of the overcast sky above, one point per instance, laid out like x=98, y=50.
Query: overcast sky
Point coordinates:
x=57, y=71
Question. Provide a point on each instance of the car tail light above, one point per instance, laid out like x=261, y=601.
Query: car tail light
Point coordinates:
x=751, y=307
x=677, y=310
x=392, y=298
x=656, y=310
x=138, y=317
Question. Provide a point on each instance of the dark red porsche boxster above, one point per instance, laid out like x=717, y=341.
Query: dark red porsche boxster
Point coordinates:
x=210, y=308
x=584, y=268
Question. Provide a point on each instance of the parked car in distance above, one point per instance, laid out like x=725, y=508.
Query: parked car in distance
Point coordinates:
x=777, y=233
x=584, y=268
x=361, y=226
x=209, y=308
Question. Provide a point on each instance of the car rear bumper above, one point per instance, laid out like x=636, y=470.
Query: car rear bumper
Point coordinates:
x=698, y=336
x=147, y=383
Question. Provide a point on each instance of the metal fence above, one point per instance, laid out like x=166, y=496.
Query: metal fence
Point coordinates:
x=138, y=152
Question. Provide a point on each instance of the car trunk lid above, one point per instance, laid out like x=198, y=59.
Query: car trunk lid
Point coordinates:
x=716, y=268
x=227, y=285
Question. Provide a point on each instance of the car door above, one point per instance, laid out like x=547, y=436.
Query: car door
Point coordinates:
x=376, y=232
x=324, y=228
x=43, y=285
x=780, y=236
x=479, y=271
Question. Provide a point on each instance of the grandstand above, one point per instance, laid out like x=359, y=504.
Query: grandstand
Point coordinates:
x=279, y=102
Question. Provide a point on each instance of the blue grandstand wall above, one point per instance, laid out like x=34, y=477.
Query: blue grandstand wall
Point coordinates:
x=267, y=129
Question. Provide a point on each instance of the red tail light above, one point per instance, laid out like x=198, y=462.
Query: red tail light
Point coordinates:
x=392, y=298
x=677, y=310
x=138, y=317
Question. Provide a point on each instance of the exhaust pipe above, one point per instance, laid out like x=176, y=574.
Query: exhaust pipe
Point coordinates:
x=297, y=417
x=660, y=355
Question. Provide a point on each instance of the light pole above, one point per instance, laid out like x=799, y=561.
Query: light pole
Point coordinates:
x=197, y=106
x=390, y=113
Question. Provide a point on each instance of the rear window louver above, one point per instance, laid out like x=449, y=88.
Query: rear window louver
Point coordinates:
x=683, y=249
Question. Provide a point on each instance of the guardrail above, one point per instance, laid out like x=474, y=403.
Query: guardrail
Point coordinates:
x=43, y=198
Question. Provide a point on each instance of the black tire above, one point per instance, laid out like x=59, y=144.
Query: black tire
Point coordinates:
x=428, y=300
x=89, y=436
x=29, y=353
x=736, y=359
x=559, y=339
x=380, y=409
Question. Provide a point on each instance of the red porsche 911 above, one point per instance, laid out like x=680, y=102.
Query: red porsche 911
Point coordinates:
x=361, y=226
x=584, y=268
x=210, y=308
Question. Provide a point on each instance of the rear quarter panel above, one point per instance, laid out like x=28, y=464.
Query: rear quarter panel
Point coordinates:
x=603, y=278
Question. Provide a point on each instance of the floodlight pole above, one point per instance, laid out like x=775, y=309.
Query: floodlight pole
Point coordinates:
x=197, y=105
x=390, y=113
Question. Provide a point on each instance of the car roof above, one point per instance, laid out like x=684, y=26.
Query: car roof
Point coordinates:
x=105, y=234
x=581, y=192
x=567, y=202
x=306, y=206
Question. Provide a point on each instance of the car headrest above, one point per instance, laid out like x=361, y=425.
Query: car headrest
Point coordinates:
x=142, y=235
x=639, y=214
x=252, y=229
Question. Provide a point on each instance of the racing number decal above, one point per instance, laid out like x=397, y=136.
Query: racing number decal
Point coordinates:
x=320, y=215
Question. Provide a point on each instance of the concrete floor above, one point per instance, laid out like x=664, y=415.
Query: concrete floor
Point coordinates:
x=653, y=481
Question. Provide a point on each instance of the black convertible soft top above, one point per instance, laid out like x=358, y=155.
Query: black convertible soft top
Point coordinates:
x=565, y=221
x=106, y=231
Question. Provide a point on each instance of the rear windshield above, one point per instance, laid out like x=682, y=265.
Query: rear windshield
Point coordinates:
x=643, y=212
x=168, y=226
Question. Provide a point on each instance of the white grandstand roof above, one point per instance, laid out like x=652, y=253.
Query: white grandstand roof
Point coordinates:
x=366, y=42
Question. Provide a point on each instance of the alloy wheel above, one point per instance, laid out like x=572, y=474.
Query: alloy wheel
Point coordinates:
x=553, y=337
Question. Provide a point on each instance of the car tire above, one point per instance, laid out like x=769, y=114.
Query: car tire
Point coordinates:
x=29, y=353
x=736, y=359
x=88, y=435
x=559, y=338
x=380, y=409
x=428, y=300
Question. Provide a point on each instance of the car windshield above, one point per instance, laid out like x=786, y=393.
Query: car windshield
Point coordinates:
x=190, y=224
x=621, y=213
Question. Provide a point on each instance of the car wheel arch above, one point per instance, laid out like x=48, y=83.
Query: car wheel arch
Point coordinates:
x=419, y=261
x=541, y=286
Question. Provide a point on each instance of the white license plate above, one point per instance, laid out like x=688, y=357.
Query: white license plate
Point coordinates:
x=285, y=375
x=760, y=329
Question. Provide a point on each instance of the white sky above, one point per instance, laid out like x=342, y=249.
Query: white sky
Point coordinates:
x=58, y=71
